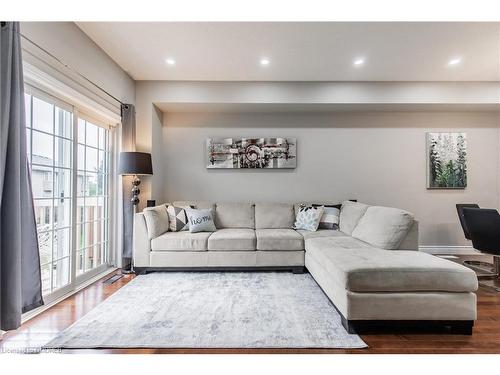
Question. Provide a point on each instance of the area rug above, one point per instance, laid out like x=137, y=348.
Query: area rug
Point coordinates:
x=212, y=310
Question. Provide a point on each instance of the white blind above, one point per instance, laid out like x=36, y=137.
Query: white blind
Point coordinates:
x=45, y=73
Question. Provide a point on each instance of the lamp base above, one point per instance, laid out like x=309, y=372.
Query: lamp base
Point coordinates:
x=135, y=191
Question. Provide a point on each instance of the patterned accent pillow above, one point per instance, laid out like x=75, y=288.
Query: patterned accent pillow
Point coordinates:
x=308, y=217
x=200, y=220
x=330, y=218
x=177, y=218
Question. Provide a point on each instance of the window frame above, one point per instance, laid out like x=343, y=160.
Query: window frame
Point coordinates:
x=75, y=280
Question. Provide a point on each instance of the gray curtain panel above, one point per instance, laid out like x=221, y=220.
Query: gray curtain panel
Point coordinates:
x=20, y=282
x=128, y=144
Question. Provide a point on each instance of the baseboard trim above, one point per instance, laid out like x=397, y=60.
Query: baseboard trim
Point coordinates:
x=451, y=250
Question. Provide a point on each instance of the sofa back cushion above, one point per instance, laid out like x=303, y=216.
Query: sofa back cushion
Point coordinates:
x=274, y=215
x=383, y=227
x=203, y=205
x=350, y=213
x=235, y=215
x=157, y=221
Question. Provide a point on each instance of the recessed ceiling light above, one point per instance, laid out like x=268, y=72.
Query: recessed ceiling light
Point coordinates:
x=455, y=61
x=170, y=61
x=359, y=62
x=264, y=61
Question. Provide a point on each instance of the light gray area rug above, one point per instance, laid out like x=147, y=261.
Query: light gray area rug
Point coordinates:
x=212, y=310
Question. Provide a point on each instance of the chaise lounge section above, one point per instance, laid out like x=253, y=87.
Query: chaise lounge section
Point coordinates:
x=370, y=269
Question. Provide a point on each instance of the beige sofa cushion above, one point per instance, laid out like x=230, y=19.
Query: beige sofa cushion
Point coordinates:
x=274, y=215
x=379, y=270
x=181, y=241
x=157, y=221
x=279, y=239
x=232, y=239
x=235, y=215
x=383, y=227
x=339, y=242
x=321, y=233
x=350, y=214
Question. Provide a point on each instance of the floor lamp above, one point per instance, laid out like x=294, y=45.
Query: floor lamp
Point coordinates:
x=133, y=164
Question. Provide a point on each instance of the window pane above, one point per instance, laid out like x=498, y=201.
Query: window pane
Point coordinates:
x=63, y=123
x=79, y=262
x=90, y=184
x=81, y=157
x=62, y=213
x=80, y=236
x=101, y=162
x=60, y=273
x=80, y=184
x=97, y=255
x=92, y=137
x=81, y=131
x=80, y=210
x=89, y=258
x=62, y=183
x=102, y=139
x=98, y=232
x=104, y=251
x=27, y=108
x=94, y=208
x=46, y=273
x=45, y=246
x=43, y=148
x=28, y=144
x=101, y=184
x=41, y=181
x=90, y=159
x=89, y=234
x=63, y=152
x=43, y=214
x=62, y=243
x=43, y=115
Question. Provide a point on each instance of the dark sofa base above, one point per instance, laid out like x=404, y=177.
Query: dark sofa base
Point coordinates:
x=454, y=327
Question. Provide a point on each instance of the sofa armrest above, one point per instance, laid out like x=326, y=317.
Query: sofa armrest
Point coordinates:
x=142, y=243
x=410, y=242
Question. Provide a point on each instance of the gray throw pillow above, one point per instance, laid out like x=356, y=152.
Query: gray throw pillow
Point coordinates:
x=330, y=218
x=200, y=220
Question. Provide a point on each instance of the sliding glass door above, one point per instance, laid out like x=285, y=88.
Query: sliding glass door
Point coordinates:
x=92, y=196
x=69, y=158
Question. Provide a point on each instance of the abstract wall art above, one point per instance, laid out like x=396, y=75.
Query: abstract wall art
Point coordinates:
x=446, y=160
x=254, y=153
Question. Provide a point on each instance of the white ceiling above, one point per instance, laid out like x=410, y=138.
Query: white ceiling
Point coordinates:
x=301, y=51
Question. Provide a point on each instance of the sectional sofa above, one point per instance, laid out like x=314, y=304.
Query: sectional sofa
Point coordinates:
x=370, y=268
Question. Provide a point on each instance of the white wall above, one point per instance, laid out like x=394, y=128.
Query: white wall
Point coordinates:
x=74, y=48
x=378, y=158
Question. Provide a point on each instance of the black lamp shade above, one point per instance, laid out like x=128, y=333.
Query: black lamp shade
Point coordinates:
x=135, y=163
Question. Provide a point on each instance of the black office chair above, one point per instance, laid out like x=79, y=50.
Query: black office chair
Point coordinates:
x=481, y=268
x=484, y=231
x=460, y=212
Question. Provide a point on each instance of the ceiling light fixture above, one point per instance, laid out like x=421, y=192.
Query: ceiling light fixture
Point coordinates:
x=170, y=61
x=264, y=62
x=455, y=61
x=359, y=62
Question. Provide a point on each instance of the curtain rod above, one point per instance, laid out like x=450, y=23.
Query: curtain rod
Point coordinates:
x=70, y=68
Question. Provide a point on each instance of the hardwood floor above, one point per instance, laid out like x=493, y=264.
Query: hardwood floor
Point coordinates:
x=485, y=339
